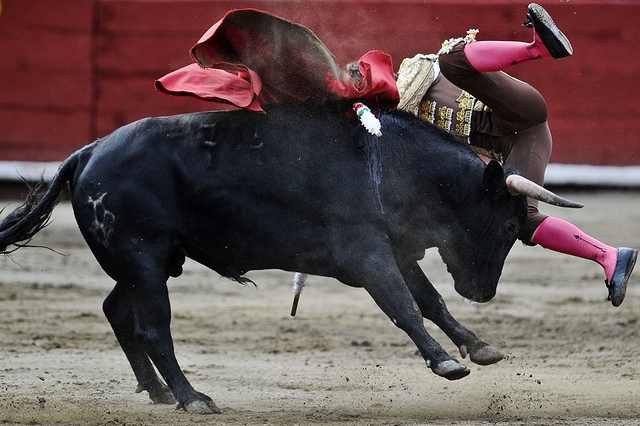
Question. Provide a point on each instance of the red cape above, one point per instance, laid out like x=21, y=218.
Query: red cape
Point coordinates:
x=250, y=58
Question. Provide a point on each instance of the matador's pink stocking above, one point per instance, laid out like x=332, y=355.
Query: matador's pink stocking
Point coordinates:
x=564, y=237
x=486, y=56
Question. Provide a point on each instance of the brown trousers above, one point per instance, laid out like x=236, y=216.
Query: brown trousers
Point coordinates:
x=515, y=127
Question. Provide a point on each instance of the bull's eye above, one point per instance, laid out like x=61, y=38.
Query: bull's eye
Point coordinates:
x=510, y=226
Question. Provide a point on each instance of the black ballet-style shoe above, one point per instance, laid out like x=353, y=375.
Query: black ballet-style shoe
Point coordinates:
x=624, y=266
x=553, y=39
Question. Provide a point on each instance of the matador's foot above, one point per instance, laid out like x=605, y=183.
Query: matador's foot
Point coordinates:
x=624, y=266
x=548, y=32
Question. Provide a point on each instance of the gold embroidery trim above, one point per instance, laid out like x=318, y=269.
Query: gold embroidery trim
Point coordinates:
x=466, y=103
x=448, y=45
x=428, y=111
x=462, y=130
x=488, y=153
x=480, y=106
x=444, y=117
x=415, y=76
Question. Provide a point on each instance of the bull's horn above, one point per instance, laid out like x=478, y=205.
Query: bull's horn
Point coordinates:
x=521, y=185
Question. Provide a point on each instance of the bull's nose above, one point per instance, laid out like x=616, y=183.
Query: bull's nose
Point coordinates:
x=476, y=293
x=486, y=297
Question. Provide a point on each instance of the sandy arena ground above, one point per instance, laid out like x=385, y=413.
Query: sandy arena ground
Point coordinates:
x=572, y=357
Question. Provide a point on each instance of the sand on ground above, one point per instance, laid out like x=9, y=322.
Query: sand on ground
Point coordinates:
x=572, y=358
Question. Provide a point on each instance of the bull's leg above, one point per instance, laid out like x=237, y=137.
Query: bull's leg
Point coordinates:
x=392, y=296
x=433, y=308
x=140, y=314
x=119, y=311
x=375, y=269
x=152, y=312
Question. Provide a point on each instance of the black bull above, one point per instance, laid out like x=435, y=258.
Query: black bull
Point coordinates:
x=302, y=188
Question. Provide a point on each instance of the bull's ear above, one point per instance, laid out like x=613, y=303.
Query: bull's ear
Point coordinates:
x=493, y=179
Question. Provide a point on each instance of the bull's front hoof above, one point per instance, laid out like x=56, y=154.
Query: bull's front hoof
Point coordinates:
x=451, y=370
x=205, y=405
x=486, y=355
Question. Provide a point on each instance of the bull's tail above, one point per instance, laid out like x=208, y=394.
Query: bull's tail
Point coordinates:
x=17, y=229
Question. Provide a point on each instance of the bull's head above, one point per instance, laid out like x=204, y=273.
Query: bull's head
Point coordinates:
x=476, y=249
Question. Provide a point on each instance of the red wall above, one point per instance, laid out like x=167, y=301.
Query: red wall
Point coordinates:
x=74, y=70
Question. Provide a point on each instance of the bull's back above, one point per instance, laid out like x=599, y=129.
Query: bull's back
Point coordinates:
x=233, y=183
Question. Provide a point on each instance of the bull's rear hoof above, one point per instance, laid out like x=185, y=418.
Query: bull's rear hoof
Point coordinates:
x=451, y=370
x=200, y=406
x=486, y=355
x=159, y=395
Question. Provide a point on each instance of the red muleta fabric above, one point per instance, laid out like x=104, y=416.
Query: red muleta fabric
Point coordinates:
x=251, y=58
